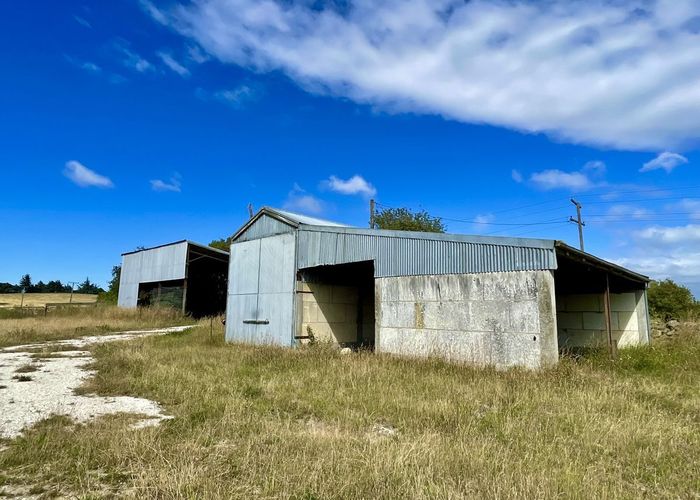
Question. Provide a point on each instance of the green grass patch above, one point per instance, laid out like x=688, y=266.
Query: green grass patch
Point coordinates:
x=310, y=423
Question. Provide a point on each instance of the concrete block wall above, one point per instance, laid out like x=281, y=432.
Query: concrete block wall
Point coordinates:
x=329, y=311
x=500, y=319
x=581, y=319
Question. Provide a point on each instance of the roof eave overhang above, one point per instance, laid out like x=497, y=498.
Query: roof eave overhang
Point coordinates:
x=576, y=254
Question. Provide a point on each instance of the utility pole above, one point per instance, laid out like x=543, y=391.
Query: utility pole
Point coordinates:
x=372, y=207
x=72, y=284
x=579, y=222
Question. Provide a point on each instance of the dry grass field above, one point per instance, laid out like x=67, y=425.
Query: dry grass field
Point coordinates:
x=41, y=299
x=66, y=323
x=261, y=422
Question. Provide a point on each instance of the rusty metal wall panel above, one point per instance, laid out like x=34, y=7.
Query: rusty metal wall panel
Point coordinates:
x=403, y=254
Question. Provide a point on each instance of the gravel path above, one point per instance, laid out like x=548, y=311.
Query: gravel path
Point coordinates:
x=31, y=396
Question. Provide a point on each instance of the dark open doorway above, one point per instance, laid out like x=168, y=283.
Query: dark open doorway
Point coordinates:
x=337, y=304
x=598, y=304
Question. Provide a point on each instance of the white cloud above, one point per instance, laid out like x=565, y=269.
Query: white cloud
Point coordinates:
x=667, y=252
x=133, y=60
x=91, y=67
x=173, y=185
x=195, y=54
x=516, y=176
x=236, y=97
x=82, y=21
x=681, y=266
x=666, y=160
x=622, y=74
x=548, y=180
x=84, y=177
x=690, y=207
x=171, y=63
x=354, y=185
x=631, y=211
x=299, y=200
x=481, y=221
x=596, y=167
x=153, y=11
x=678, y=235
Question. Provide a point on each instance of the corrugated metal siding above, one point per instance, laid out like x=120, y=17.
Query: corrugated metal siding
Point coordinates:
x=263, y=227
x=260, y=306
x=405, y=256
x=158, y=264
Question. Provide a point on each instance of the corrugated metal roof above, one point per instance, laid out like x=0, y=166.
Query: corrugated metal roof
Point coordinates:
x=305, y=219
x=192, y=243
x=404, y=253
x=271, y=221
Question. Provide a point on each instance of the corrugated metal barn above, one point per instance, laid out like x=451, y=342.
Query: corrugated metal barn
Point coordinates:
x=483, y=300
x=183, y=275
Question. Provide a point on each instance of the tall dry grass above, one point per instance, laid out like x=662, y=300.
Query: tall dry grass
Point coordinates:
x=261, y=422
x=78, y=321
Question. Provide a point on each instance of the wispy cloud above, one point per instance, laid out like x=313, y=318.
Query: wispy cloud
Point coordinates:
x=84, y=177
x=690, y=207
x=631, y=211
x=481, y=221
x=666, y=161
x=587, y=177
x=153, y=11
x=82, y=21
x=237, y=97
x=354, y=185
x=94, y=69
x=567, y=69
x=173, y=185
x=516, y=176
x=548, y=180
x=132, y=60
x=301, y=201
x=195, y=54
x=88, y=66
x=171, y=63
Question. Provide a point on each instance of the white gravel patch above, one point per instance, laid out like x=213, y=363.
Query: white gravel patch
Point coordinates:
x=51, y=388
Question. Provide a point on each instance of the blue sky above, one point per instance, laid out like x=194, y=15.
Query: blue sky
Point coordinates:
x=133, y=123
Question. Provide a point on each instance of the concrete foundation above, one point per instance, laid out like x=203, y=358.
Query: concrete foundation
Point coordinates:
x=500, y=319
x=581, y=319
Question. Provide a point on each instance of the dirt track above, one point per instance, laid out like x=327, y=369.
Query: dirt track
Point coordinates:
x=45, y=386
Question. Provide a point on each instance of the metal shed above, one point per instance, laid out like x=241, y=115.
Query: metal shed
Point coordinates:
x=486, y=300
x=184, y=275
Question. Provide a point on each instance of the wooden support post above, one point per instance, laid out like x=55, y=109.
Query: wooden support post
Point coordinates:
x=184, y=296
x=612, y=345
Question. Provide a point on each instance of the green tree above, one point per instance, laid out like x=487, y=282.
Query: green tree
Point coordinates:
x=669, y=300
x=222, y=244
x=88, y=287
x=25, y=282
x=112, y=294
x=403, y=219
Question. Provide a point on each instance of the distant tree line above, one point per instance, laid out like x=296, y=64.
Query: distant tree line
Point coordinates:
x=54, y=286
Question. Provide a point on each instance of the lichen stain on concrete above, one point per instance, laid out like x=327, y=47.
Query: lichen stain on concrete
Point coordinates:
x=419, y=310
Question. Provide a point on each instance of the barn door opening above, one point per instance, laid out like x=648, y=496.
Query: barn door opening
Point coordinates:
x=337, y=304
